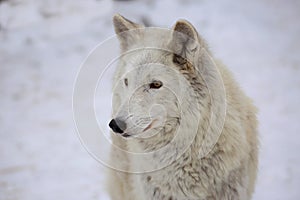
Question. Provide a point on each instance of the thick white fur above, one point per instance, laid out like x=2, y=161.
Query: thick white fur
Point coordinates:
x=229, y=169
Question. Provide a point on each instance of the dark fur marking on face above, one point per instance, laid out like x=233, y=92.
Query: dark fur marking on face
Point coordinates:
x=188, y=70
x=149, y=178
x=183, y=63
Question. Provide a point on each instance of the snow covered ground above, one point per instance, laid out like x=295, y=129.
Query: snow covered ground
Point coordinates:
x=43, y=43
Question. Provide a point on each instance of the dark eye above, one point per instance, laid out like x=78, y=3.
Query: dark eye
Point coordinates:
x=155, y=84
x=126, y=81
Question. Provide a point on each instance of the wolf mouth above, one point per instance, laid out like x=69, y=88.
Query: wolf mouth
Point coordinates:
x=145, y=129
x=125, y=135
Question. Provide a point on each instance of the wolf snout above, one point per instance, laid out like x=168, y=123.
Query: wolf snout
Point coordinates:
x=117, y=125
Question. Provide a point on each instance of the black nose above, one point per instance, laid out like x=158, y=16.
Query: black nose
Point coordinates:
x=117, y=125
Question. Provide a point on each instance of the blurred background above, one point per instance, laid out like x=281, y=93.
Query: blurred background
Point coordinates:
x=43, y=43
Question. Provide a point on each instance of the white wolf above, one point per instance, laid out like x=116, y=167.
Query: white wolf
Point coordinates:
x=163, y=98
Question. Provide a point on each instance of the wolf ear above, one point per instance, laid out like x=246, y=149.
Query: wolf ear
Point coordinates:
x=184, y=43
x=128, y=32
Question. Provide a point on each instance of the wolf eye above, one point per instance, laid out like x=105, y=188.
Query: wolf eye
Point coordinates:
x=155, y=84
x=126, y=81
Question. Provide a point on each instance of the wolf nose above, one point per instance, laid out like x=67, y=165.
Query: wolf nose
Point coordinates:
x=117, y=125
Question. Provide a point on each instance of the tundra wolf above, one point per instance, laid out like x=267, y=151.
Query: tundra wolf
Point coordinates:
x=180, y=132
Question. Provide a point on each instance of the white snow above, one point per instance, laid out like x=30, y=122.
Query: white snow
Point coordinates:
x=43, y=43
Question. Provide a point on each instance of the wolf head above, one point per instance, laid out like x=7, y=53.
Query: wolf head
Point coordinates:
x=159, y=84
